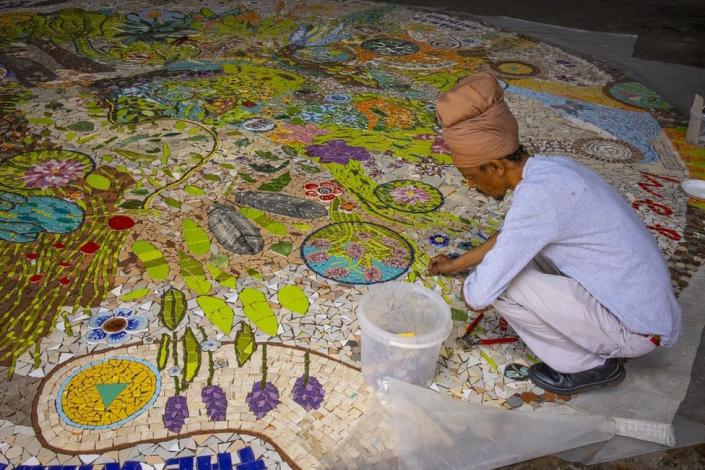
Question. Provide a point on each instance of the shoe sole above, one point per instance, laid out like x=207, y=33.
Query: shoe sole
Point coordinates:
x=585, y=388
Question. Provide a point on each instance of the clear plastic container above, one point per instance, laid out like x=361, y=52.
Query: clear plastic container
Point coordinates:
x=403, y=327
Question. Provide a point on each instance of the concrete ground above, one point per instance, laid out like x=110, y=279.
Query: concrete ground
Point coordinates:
x=657, y=42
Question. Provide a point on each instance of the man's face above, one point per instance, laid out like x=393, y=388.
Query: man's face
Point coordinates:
x=489, y=179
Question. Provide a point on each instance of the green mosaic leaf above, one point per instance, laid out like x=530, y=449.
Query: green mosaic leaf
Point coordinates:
x=258, y=311
x=294, y=299
x=163, y=354
x=225, y=279
x=193, y=274
x=458, y=314
x=166, y=153
x=194, y=190
x=98, y=182
x=135, y=294
x=218, y=312
x=277, y=184
x=267, y=168
x=173, y=308
x=172, y=202
x=192, y=355
x=264, y=221
x=245, y=345
x=247, y=178
x=196, y=238
x=253, y=273
x=303, y=227
x=153, y=259
x=81, y=126
x=283, y=248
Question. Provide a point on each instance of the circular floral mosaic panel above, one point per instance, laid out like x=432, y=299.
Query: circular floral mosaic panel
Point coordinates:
x=108, y=393
x=357, y=253
x=409, y=196
x=636, y=94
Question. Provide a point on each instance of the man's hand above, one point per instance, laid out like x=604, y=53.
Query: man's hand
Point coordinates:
x=442, y=264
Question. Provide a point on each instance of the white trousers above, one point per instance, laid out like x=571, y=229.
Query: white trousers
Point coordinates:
x=562, y=323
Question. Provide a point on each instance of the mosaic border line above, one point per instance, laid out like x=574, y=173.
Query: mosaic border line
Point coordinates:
x=36, y=426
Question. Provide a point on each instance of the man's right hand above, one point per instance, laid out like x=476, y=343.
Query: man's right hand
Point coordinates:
x=442, y=264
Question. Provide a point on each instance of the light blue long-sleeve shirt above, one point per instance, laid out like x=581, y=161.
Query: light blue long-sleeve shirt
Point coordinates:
x=576, y=220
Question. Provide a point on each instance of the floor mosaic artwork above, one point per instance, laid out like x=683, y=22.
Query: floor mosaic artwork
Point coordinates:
x=194, y=195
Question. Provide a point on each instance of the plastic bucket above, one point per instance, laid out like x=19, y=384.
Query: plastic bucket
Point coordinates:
x=403, y=327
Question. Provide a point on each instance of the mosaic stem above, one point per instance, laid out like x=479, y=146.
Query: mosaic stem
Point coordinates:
x=264, y=366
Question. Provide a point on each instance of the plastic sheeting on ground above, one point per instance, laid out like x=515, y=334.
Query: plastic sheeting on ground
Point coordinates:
x=410, y=427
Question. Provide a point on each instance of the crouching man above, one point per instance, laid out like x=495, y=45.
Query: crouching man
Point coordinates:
x=573, y=269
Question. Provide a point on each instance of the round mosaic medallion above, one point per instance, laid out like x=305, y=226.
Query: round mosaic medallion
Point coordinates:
x=339, y=98
x=608, y=150
x=448, y=42
x=108, y=393
x=515, y=68
x=357, y=253
x=636, y=94
x=409, y=196
x=323, y=55
x=390, y=46
x=258, y=125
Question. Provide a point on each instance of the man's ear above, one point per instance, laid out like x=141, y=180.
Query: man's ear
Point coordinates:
x=496, y=167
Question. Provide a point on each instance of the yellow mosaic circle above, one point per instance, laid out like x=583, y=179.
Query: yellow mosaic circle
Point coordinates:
x=515, y=68
x=108, y=393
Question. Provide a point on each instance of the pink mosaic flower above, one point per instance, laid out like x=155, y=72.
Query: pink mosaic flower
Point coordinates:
x=317, y=257
x=325, y=191
x=439, y=146
x=321, y=243
x=53, y=173
x=355, y=250
x=397, y=262
x=295, y=133
x=336, y=273
x=373, y=274
x=363, y=236
x=410, y=195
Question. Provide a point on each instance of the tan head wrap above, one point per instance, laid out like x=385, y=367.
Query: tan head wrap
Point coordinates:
x=477, y=124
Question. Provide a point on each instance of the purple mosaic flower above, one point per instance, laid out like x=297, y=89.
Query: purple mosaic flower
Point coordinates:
x=308, y=391
x=216, y=403
x=373, y=274
x=53, y=173
x=262, y=400
x=355, y=250
x=264, y=396
x=176, y=413
x=309, y=395
x=399, y=252
x=337, y=151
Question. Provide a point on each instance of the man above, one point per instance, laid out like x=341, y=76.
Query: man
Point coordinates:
x=573, y=269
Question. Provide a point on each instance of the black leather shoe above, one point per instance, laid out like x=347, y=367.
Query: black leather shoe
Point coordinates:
x=610, y=373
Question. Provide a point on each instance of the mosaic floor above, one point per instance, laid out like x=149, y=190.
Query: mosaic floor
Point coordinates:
x=193, y=196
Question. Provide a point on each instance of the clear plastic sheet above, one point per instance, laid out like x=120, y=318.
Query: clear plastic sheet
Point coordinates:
x=416, y=428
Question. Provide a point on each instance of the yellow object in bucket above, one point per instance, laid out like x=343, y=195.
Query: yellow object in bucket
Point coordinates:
x=409, y=333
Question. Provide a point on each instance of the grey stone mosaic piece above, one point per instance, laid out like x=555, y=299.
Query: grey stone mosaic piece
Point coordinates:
x=235, y=232
x=282, y=204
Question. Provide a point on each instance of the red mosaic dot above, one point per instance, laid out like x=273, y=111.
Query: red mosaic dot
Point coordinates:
x=64, y=280
x=59, y=246
x=64, y=264
x=249, y=104
x=120, y=222
x=90, y=247
x=35, y=278
x=32, y=256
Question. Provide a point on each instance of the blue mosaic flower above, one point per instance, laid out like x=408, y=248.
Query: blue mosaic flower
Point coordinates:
x=114, y=327
x=439, y=240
